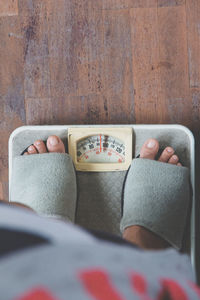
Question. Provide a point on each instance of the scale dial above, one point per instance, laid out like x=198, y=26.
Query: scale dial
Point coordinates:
x=100, y=149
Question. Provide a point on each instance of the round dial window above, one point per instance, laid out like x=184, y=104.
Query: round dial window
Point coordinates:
x=100, y=149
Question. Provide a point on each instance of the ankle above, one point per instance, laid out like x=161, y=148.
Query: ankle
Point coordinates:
x=144, y=238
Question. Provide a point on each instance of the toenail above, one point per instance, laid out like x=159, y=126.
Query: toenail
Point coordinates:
x=170, y=150
x=151, y=144
x=175, y=157
x=53, y=141
x=31, y=148
x=38, y=143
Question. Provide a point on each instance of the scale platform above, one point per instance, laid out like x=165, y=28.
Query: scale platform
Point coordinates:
x=99, y=191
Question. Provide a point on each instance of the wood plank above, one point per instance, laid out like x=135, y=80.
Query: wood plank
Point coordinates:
x=162, y=3
x=92, y=56
x=12, y=111
x=8, y=8
x=173, y=63
x=5, y=190
x=40, y=111
x=195, y=99
x=37, y=78
x=33, y=8
x=36, y=56
x=75, y=49
x=117, y=73
x=124, y=4
x=88, y=109
x=193, y=32
x=11, y=71
x=1, y=191
x=4, y=158
x=149, y=107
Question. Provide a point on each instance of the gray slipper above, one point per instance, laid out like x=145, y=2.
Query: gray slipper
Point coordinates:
x=157, y=196
x=46, y=183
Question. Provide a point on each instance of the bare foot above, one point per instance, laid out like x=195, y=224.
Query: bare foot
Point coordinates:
x=150, y=149
x=54, y=144
x=139, y=235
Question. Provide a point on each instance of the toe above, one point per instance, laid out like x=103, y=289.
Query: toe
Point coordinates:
x=173, y=160
x=166, y=154
x=149, y=149
x=32, y=150
x=40, y=146
x=179, y=164
x=26, y=153
x=55, y=144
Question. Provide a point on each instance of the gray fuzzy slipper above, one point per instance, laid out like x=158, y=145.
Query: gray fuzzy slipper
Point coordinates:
x=46, y=183
x=157, y=196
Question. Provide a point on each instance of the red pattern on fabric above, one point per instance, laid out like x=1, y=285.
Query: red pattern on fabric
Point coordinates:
x=139, y=285
x=37, y=294
x=98, y=285
x=172, y=289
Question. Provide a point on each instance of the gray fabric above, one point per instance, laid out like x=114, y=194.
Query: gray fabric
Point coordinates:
x=58, y=267
x=46, y=183
x=156, y=196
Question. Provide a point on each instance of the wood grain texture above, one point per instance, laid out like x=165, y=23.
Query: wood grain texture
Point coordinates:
x=12, y=111
x=149, y=108
x=195, y=98
x=8, y=8
x=162, y=3
x=40, y=111
x=93, y=62
x=34, y=8
x=117, y=72
x=36, y=55
x=90, y=108
x=1, y=191
x=124, y=4
x=173, y=64
x=76, y=49
x=193, y=32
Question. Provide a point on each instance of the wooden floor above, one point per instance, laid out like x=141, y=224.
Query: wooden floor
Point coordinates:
x=93, y=62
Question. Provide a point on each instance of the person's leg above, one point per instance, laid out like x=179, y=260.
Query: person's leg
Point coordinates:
x=135, y=234
x=139, y=235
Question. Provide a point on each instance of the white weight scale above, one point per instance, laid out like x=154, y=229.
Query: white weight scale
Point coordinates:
x=102, y=155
